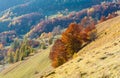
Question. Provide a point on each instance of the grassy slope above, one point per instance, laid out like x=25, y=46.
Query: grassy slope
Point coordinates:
x=27, y=68
x=99, y=59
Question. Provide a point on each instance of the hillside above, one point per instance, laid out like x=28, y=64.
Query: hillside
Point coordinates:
x=99, y=59
x=29, y=68
x=33, y=17
x=28, y=29
x=63, y=21
x=15, y=9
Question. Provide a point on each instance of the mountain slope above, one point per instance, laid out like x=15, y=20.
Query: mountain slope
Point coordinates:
x=33, y=17
x=29, y=68
x=42, y=7
x=99, y=59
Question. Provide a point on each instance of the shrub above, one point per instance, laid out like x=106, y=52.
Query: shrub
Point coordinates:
x=50, y=41
x=10, y=57
x=16, y=44
x=43, y=46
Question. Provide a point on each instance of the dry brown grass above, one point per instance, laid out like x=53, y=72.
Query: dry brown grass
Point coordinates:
x=99, y=59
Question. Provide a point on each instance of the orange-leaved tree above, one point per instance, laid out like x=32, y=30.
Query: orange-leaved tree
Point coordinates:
x=58, y=53
x=72, y=40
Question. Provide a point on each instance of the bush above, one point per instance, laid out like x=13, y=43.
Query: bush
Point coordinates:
x=50, y=41
x=10, y=57
x=43, y=46
x=16, y=44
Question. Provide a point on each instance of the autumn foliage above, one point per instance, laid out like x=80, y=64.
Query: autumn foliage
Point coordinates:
x=72, y=40
x=58, y=53
x=110, y=16
x=95, y=12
